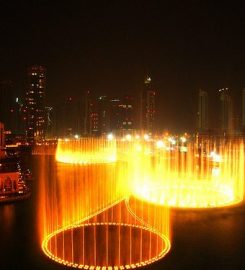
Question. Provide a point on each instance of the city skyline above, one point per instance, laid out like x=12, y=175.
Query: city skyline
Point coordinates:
x=110, y=47
x=92, y=114
x=122, y=135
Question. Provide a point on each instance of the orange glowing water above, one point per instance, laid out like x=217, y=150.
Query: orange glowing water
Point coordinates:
x=85, y=222
x=86, y=151
x=209, y=174
x=104, y=203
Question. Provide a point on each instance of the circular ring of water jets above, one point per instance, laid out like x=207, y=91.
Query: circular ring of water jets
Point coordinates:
x=190, y=194
x=106, y=246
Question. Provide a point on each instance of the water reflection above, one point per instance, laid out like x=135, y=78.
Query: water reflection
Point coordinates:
x=7, y=218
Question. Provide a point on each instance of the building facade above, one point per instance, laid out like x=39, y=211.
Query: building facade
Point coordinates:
x=127, y=113
x=122, y=114
x=103, y=115
x=10, y=108
x=202, y=114
x=2, y=140
x=226, y=111
x=34, y=111
x=147, y=106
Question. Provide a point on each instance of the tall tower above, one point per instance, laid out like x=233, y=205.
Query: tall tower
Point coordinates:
x=127, y=109
x=103, y=115
x=35, y=103
x=147, y=111
x=226, y=112
x=2, y=140
x=115, y=114
x=202, y=113
x=87, y=113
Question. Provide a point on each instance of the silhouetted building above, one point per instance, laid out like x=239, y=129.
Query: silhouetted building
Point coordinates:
x=127, y=117
x=226, y=113
x=90, y=115
x=6, y=101
x=122, y=114
x=115, y=113
x=35, y=103
x=49, y=122
x=67, y=117
x=202, y=114
x=10, y=108
x=2, y=139
x=147, y=108
x=87, y=121
x=103, y=115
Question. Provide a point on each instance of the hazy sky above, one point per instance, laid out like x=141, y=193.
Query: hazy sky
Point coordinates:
x=109, y=47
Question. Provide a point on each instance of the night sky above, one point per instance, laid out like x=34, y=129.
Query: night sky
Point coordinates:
x=109, y=47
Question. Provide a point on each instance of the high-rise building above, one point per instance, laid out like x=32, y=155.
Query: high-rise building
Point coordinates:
x=87, y=114
x=127, y=117
x=226, y=112
x=115, y=113
x=10, y=108
x=35, y=103
x=103, y=115
x=147, y=110
x=90, y=115
x=6, y=101
x=66, y=117
x=49, y=122
x=2, y=140
x=202, y=113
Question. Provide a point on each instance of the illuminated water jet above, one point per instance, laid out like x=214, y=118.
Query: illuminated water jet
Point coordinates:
x=86, y=151
x=102, y=191
x=80, y=203
x=210, y=174
x=106, y=245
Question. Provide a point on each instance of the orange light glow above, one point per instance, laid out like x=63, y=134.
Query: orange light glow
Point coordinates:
x=104, y=203
x=86, y=151
x=209, y=174
x=86, y=224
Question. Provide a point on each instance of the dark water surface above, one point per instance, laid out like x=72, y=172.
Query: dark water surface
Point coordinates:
x=214, y=239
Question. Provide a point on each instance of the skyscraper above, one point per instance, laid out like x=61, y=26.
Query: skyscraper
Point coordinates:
x=87, y=113
x=10, y=107
x=127, y=118
x=226, y=112
x=202, y=113
x=103, y=115
x=115, y=112
x=35, y=103
x=2, y=141
x=147, y=110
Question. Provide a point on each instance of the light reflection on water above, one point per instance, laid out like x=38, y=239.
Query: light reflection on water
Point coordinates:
x=7, y=218
x=211, y=240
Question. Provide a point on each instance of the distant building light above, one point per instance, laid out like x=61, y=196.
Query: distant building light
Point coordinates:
x=110, y=136
x=128, y=137
x=146, y=137
x=183, y=149
x=183, y=139
x=160, y=144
